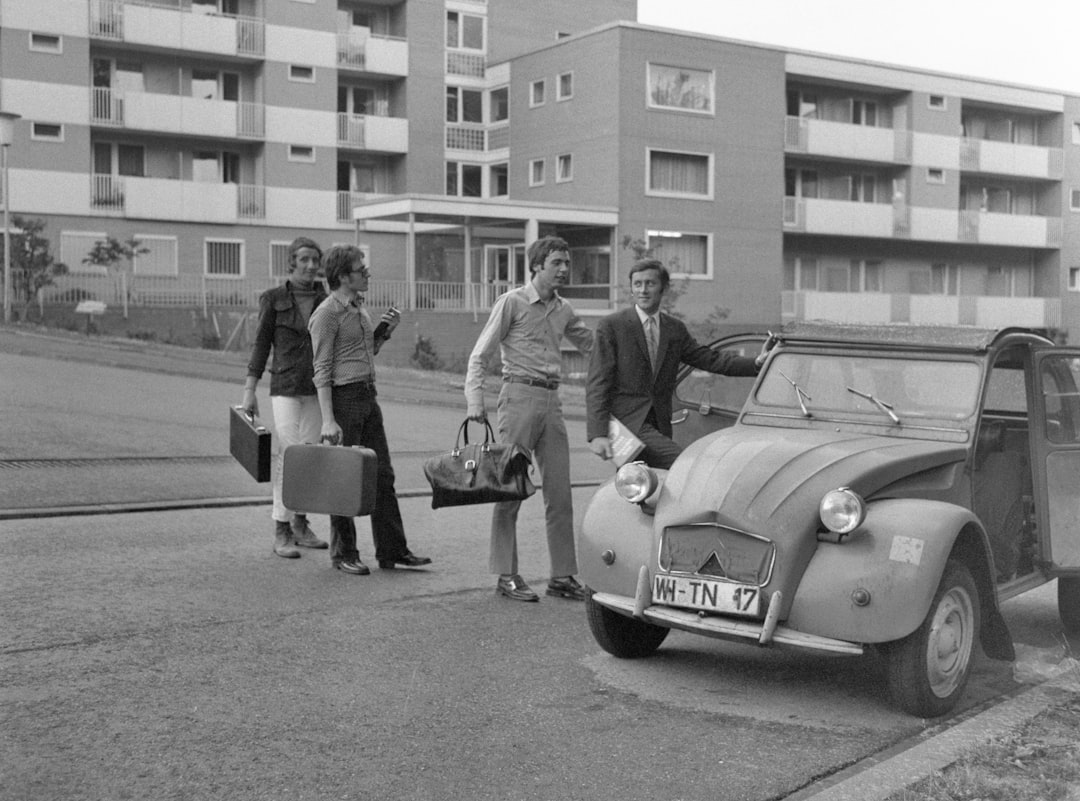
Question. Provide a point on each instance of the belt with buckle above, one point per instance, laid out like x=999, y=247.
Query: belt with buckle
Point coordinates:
x=545, y=383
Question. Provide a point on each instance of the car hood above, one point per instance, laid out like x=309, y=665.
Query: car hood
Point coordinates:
x=770, y=481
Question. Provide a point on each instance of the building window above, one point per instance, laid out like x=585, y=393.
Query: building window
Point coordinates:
x=159, y=256
x=536, y=93
x=536, y=172
x=1074, y=279
x=679, y=174
x=863, y=188
x=75, y=245
x=464, y=31
x=564, y=168
x=464, y=180
x=279, y=259
x=680, y=88
x=47, y=132
x=223, y=258
x=864, y=112
x=301, y=73
x=46, y=43
x=800, y=274
x=936, y=102
x=500, y=180
x=464, y=105
x=1076, y=133
x=305, y=153
x=565, y=86
x=685, y=254
x=935, y=175
x=500, y=105
x=1074, y=200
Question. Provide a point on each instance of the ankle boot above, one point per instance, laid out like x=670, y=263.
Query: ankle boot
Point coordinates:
x=302, y=534
x=283, y=541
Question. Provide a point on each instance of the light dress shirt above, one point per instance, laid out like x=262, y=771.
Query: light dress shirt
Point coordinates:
x=343, y=341
x=527, y=332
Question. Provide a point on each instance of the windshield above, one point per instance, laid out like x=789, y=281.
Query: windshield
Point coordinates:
x=819, y=384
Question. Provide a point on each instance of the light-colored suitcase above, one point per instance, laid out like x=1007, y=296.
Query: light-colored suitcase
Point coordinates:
x=329, y=479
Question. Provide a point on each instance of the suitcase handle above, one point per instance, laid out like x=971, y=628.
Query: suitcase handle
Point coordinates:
x=463, y=433
x=250, y=417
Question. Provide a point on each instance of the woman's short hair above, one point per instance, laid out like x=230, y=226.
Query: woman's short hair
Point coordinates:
x=298, y=244
x=340, y=261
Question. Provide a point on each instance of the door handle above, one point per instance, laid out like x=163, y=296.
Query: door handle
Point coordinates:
x=680, y=416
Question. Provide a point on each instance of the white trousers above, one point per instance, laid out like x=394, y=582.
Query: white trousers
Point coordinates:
x=297, y=420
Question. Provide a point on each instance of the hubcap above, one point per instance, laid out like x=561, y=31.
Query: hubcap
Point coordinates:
x=950, y=642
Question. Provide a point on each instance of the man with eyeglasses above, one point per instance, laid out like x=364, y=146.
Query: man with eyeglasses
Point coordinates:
x=345, y=344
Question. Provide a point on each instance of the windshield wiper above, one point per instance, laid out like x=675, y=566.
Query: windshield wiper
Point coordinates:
x=885, y=407
x=799, y=394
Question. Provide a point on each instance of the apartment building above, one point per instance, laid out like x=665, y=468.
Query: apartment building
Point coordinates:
x=444, y=135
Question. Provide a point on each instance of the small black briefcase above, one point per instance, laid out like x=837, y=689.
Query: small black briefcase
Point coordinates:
x=249, y=443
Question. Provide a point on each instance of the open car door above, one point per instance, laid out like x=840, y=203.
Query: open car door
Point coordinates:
x=706, y=402
x=1056, y=457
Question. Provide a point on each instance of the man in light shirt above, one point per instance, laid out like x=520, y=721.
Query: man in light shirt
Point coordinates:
x=526, y=326
x=345, y=344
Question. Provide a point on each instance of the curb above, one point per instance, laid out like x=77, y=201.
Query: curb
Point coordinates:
x=876, y=778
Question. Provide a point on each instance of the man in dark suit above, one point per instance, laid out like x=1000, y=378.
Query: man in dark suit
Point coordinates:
x=634, y=364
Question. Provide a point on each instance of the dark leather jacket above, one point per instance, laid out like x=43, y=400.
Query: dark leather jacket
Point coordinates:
x=282, y=327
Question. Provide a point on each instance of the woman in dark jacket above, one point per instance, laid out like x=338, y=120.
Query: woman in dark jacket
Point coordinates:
x=282, y=327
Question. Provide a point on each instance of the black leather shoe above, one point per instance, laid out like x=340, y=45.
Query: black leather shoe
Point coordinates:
x=408, y=560
x=567, y=588
x=354, y=567
x=515, y=589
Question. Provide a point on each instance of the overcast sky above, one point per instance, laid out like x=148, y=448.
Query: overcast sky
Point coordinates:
x=1029, y=42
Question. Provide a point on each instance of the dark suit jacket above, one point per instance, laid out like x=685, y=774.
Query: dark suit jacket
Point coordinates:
x=621, y=381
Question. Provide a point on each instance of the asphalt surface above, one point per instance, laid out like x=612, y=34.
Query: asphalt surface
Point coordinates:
x=140, y=675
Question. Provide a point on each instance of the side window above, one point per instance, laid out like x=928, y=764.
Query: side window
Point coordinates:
x=703, y=389
x=1061, y=398
x=1006, y=391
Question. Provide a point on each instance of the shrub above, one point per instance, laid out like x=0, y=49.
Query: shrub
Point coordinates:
x=424, y=355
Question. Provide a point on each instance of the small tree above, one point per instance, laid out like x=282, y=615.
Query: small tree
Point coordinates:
x=32, y=265
x=111, y=252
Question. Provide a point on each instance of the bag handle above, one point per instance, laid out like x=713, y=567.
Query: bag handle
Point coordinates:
x=463, y=433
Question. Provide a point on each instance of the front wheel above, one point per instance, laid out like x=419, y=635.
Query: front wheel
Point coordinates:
x=928, y=669
x=621, y=636
x=1069, y=603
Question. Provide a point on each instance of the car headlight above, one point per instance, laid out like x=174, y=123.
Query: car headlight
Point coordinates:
x=635, y=482
x=842, y=510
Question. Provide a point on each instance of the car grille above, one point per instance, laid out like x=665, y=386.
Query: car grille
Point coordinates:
x=707, y=549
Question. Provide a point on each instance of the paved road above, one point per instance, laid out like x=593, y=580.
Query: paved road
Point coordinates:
x=170, y=655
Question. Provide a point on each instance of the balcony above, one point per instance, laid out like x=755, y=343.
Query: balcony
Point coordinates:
x=888, y=221
x=180, y=201
x=465, y=63
x=346, y=201
x=882, y=307
x=1021, y=230
x=358, y=49
x=369, y=132
x=839, y=217
x=846, y=141
x=173, y=114
x=1005, y=158
x=177, y=29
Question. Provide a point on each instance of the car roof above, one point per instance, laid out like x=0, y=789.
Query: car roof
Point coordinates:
x=929, y=337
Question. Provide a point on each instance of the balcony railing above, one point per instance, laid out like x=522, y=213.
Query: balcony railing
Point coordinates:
x=885, y=307
x=152, y=111
x=498, y=137
x=187, y=201
x=107, y=192
x=148, y=23
x=1007, y=158
x=468, y=64
x=350, y=130
x=358, y=49
x=846, y=140
x=465, y=137
x=251, y=202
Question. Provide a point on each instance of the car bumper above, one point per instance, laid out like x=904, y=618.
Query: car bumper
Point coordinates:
x=767, y=632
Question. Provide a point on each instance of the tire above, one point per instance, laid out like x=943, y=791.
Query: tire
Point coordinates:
x=621, y=636
x=928, y=670
x=1069, y=603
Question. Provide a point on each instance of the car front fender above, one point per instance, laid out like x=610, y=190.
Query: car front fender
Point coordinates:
x=877, y=585
x=618, y=532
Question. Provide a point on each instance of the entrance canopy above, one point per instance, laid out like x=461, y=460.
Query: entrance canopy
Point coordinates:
x=480, y=221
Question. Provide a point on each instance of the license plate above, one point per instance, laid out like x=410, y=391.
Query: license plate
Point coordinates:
x=707, y=595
